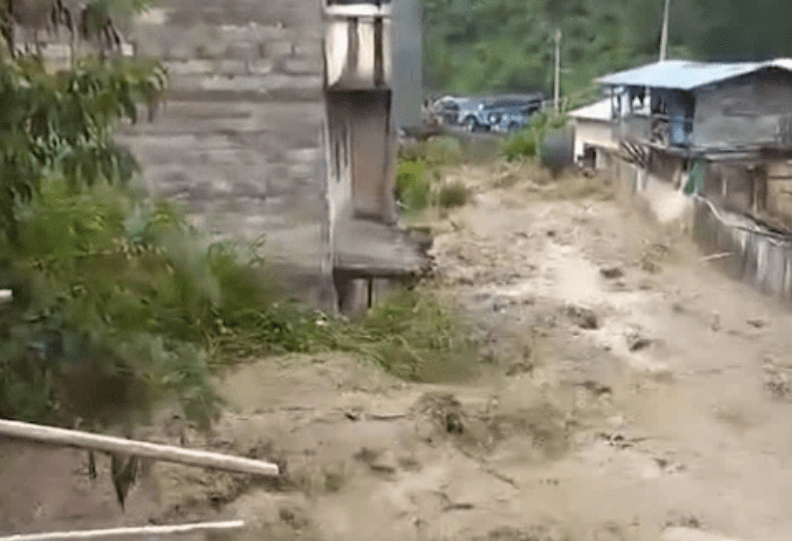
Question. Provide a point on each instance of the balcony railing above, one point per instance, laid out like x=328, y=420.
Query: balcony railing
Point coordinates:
x=658, y=129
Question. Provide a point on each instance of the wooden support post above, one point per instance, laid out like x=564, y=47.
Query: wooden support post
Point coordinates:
x=557, y=69
x=140, y=531
x=109, y=444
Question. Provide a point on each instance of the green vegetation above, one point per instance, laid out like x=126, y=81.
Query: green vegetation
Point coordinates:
x=453, y=194
x=413, y=186
x=503, y=45
x=419, y=175
x=527, y=143
x=115, y=291
x=521, y=144
x=413, y=335
x=65, y=240
x=117, y=302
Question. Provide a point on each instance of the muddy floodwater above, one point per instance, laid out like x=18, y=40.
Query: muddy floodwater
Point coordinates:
x=625, y=386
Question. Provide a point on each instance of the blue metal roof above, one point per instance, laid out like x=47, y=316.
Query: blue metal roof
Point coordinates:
x=687, y=75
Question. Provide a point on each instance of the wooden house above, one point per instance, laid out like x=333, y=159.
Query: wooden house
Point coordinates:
x=732, y=121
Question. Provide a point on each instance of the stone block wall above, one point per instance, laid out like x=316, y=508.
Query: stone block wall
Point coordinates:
x=238, y=137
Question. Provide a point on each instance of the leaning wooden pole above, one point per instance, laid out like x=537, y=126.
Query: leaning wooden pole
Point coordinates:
x=138, y=532
x=109, y=444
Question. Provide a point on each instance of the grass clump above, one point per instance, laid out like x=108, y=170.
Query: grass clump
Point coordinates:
x=442, y=151
x=419, y=175
x=520, y=144
x=435, y=152
x=411, y=334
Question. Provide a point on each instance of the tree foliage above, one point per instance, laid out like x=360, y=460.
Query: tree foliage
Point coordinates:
x=506, y=45
x=62, y=124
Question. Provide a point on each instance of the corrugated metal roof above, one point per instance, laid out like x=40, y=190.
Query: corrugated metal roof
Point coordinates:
x=600, y=110
x=687, y=75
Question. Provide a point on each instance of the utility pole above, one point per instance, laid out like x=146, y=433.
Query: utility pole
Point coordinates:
x=664, y=36
x=557, y=67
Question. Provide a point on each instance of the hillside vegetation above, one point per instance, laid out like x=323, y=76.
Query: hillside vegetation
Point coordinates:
x=505, y=45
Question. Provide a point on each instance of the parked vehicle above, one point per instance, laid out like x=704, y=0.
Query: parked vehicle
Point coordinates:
x=501, y=115
x=485, y=113
x=513, y=119
x=447, y=109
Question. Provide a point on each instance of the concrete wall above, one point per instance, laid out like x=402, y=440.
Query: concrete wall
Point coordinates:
x=408, y=63
x=238, y=140
x=593, y=133
x=746, y=110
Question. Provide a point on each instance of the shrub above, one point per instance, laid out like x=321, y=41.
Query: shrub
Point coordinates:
x=527, y=143
x=454, y=194
x=111, y=286
x=435, y=152
x=521, y=144
x=444, y=150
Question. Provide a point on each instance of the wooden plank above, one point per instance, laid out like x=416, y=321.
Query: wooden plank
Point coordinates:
x=86, y=440
x=129, y=532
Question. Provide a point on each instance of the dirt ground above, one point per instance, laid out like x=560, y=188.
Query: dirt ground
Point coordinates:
x=626, y=386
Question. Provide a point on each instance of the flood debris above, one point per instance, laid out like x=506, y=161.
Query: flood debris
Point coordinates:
x=715, y=321
x=637, y=342
x=585, y=318
x=611, y=273
x=776, y=378
x=549, y=531
x=520, y=367
x=683, y=520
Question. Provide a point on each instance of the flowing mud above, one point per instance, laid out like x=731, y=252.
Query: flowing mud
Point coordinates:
x=625, y=387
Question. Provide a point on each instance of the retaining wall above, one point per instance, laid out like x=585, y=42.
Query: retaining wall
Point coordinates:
x=758, y=259
x=755, y=257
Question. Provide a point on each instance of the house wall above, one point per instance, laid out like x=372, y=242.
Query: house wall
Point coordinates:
x=779, y=191
x=238, y=140
x=635, y=128
x=730, y=186
x=745, y=110
x=593, y=133
x=654, y=196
